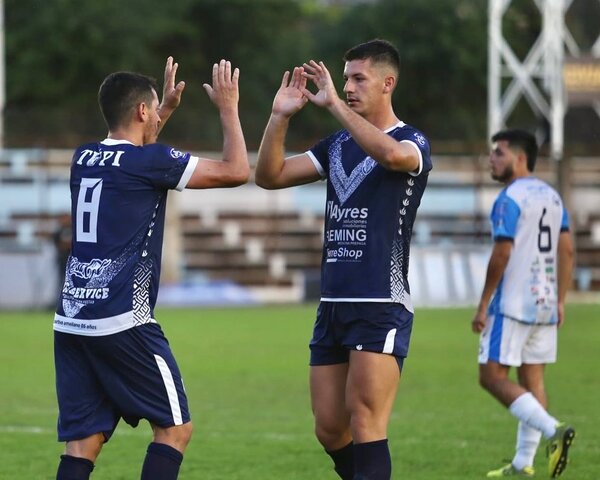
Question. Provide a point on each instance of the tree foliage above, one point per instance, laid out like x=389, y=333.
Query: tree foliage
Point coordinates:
x=58, y=52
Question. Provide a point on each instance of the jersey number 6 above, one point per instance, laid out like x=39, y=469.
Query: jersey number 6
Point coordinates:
x=544, y=235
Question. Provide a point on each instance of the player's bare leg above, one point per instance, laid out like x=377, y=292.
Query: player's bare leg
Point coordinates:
x=328, y=398
x=373, y=380
x=79, y=457
x=332, y=420
x=88, y=448
x=177, y=436
x=493, y=377
x=521, y=402
x=531, y=378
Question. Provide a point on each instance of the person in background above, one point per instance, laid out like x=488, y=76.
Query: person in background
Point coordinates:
x=62, y=244
x=528, y=275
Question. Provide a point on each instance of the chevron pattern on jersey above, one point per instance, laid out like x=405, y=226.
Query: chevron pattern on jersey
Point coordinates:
x=343, y=184
x=141, y=293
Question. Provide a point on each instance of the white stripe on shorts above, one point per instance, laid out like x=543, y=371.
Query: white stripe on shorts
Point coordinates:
x=388, y=347
x=171, y=390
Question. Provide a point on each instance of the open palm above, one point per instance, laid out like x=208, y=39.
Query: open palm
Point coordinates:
x=171, y=93
x=289, y=98
x=318, y=74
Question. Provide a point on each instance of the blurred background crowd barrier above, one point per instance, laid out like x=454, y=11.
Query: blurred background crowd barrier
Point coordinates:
x=468, y=69
x=249, y=245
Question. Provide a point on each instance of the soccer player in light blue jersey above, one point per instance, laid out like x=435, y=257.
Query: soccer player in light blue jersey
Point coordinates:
x=528, y=275
x=112, y=359
x=376, y=168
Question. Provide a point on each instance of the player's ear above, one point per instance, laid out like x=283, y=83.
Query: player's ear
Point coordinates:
x=141, y=112
x=389, y=82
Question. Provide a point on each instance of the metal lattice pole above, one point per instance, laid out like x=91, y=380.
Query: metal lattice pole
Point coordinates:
x=541, y=66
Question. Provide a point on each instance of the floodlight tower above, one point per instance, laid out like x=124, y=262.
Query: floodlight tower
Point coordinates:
x=538, y=78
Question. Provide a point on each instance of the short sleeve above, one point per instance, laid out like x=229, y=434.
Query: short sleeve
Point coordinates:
x=319, y=154
x=505, y=215
x=421, y=145
x=564, y=224
x=170, y=168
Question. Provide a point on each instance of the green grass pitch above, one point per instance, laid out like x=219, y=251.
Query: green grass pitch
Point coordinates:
x=246, y=376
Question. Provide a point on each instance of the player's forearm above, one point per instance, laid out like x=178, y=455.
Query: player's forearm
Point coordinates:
x=380, y=146
x=496, y=267
x=271, y=153
x=164, y=113
x=235, y=153
x=486, y=295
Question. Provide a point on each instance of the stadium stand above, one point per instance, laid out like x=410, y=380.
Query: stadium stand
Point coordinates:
x=253, y=248
x=271, y=240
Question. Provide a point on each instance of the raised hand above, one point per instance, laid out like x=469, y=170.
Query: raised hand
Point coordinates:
x=318, y=74
x=289, y=98
x=171, y=93
x=224, y=91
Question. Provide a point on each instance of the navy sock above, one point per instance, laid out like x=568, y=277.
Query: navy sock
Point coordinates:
x=344, y=461
x=74, y=468
x=372, y=461
x=162, y=462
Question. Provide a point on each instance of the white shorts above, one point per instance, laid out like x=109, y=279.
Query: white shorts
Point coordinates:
x=513, y=343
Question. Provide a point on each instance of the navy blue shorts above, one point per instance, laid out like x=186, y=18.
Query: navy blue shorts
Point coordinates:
x=366, y=326
x=130, y=375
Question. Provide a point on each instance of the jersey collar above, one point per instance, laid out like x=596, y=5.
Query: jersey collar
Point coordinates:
x=112, y=141
x=400, y=124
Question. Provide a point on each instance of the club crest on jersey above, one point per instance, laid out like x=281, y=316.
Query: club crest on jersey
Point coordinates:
x=176, y=153
x=420, y=139
x=368, y=164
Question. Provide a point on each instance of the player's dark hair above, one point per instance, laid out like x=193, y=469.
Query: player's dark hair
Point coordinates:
x=121, y=92
x=520, y=139
x=378, y=50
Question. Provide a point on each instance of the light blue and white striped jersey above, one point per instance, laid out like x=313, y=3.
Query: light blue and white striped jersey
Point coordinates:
x=531, y=214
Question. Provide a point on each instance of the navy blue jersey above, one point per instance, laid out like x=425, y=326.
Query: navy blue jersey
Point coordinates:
x=368, y=219
x=118, y=201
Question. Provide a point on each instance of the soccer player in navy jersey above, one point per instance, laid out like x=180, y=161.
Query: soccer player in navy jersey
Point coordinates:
x=528, y=274
x=112, y=359
x=376, y=168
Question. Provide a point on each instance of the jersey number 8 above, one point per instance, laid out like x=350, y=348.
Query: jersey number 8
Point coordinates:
x=88, y=203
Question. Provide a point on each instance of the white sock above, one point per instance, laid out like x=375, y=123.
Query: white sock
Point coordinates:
x=528, y=440
x=529, y=411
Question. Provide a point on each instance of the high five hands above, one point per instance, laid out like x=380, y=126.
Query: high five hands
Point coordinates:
x=290, y=97
x=224, y=91
x=293, y=93
x=318, y=74
x=171, y=97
